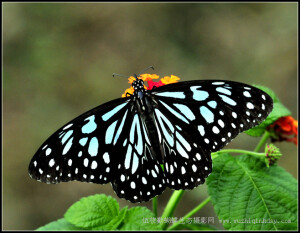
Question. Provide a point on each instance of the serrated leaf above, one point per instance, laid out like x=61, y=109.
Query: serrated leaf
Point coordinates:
x=279, y=110
x=93, y=211
x=243, y=189
x=114, y=223
x=59, y=225
x=140, y=219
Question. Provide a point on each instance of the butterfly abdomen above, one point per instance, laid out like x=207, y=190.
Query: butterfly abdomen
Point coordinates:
x=146, y=112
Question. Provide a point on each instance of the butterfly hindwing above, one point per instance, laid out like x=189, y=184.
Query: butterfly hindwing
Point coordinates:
x=186, y=163
x=140, y=176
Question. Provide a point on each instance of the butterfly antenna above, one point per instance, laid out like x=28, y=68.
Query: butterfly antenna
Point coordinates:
x=114, y=74
x=150, y=67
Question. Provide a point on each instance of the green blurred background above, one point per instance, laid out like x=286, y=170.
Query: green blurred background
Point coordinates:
x=58, y=63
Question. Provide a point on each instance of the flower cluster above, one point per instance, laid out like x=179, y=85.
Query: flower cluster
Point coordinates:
x=151, y=84
x=284, y=129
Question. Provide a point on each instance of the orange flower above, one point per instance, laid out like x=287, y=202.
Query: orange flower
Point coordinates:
x=284, y=129
x=129, y=90
x=168, y=80
x=131, y=79
x=151, y=84
x=148, y=77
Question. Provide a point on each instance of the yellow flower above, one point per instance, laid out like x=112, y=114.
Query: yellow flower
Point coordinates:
x=151, y=84
x=168, y=80
x=131, y=79
x=148, y=77
x=129, y=90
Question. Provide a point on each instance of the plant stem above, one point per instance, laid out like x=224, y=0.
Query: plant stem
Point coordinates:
x=154, y=206
x=237, y=151
x=170, y=208
x=191, y=213
x=262, y=141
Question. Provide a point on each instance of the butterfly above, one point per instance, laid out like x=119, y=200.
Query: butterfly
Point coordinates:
x=151, y=139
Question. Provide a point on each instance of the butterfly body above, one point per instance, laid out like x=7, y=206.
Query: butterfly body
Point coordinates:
x=125, y=141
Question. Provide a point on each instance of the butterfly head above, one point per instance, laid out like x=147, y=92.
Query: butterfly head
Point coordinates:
x=138, y=84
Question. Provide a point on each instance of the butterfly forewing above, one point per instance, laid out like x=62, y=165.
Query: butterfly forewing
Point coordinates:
x=82, y=149
x=218, y=110
x=107, y=144
x=198, y=117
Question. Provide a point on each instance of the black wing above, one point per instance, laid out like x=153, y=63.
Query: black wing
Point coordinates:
x=106, y=144
x=195, y=118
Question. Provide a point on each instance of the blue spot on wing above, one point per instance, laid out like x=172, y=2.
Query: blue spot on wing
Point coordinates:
x=227, y=100
x=93, y=146
x=90, y=126
x=66, y=136
x=199, y=95
x=112, y=112
x=83, y=141
x=207, y=114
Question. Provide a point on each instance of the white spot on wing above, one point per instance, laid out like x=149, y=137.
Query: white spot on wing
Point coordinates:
x=135, y=163
x=68, y=126
x=51, y=163
x=221, y=123
x=247, y=94
x=250, y=105
x=216, y=130
x=132, y=185
x=217, y=83
x=94, y=165
x=106, y=157
x=48, y=151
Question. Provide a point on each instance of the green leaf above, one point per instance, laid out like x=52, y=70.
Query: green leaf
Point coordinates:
x=140, y=219
x=93, y=211
x=279, y=110
x=59, y=225
x=243, y=189
x=114, y=223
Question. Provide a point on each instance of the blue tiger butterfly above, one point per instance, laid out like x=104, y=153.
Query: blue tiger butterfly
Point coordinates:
x=126, y=140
